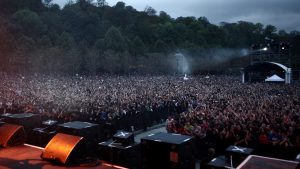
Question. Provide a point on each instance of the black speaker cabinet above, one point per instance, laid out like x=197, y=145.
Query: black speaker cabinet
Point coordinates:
x=127, y=156
x=124, y=138
x=27, y=120
x=1, y=123
x=63, y=149
x=89, y=131
x=168, y=151
x=11, y=135
x=237, y=154
x=219, y=162
x=51, y=125
x=41, y=136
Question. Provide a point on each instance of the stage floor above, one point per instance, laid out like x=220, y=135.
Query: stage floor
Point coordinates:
x=28, y=157
x=259, y=162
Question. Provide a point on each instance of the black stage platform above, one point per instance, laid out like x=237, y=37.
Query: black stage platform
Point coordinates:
x=260, y=162
x=28, y=157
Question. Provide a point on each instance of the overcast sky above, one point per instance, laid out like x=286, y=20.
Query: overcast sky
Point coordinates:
x=284, y=14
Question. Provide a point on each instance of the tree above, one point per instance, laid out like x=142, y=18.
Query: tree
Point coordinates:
x=99, y=45
x=269, y=32
x=114, y=40
x=166, y=32
x=188, y=21
x=6, y=40
x=203, y=21
x=101, y=3
x=164, y=16
x=130, y=9
x=55, y=36
x=44, y=41
x=27, y=43
x=30, y=22
x=11, y=6
x=84, y=4
x=295, y=42
x=182, y=32
x=7, y=45
x=65, y=41
x=150, y=11
x=160, y=46
x=47, y=3
x=120, y=5
x=137, y=46
x=69, y=3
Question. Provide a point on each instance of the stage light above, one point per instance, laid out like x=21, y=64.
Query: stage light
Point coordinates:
x=284, y=47
x=265, y=49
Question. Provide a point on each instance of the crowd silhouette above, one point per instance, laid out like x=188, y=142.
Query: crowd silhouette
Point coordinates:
x=218, y=110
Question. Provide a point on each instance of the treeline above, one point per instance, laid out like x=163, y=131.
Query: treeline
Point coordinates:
x=90, y=37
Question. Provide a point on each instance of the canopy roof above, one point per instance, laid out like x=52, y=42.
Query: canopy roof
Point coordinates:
x=274, y=78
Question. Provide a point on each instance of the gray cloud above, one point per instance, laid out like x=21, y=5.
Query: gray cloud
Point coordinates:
x=284, y=14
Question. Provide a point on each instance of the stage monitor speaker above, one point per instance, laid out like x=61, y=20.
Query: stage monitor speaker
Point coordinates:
x=237, y=154
x=168, y=151
x=124, y=138
x=62, y=148
x=12, y=135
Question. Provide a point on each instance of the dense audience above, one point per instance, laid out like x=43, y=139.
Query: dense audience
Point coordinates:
x=217, y=110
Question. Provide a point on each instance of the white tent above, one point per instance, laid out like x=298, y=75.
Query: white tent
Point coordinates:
x=274, y=78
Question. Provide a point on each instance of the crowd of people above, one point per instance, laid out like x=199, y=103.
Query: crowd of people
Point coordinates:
x=225, y=112
x=217, y=110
